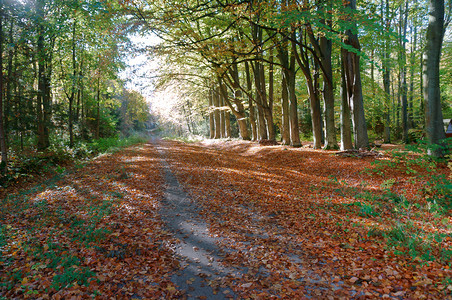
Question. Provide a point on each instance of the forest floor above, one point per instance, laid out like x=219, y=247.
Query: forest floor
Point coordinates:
x=231, y=219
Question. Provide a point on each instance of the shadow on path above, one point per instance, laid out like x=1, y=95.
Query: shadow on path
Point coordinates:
x=201, y=275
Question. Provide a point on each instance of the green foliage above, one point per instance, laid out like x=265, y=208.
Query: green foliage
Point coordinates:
x=438, y=192
x=113, y=144
x=368, y=210
x=72, y=274
x=52, y=253
x=59, y=155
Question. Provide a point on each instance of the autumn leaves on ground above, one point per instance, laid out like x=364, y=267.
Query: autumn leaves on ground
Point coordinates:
x=298, y=223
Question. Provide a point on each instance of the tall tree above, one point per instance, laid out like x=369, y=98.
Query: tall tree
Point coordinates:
x=432, y=94
x=4, y=150
x=353, y=83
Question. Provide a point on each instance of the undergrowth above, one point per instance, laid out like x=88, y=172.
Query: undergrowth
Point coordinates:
x=50, y=238
x=405, y=236
x=56, y=159
x=405, y=219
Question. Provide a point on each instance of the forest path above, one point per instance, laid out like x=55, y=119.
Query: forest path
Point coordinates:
x=261, y=257
x=212, y=220
x=200, y=272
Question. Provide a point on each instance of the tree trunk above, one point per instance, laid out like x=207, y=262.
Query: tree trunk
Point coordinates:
x=252, y=112
x=211, y=115
x=326, y=47
x=73, y=89
x=227, y=120
x=291, y=132
x=285, y=125
x=434, y=40
x=328, y=95
x=239, y=110
x=222, y=116
x=412, y=66
x=303, y=63
x=386, y=79
x=404, y=75
x=9, y=83
x=346, y=130
x=260, y=91
x=354, y=87
x=98, y=110
x=216, y=103
x=42, y=139
x=4, y=150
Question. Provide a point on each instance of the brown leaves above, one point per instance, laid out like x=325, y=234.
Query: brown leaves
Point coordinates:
x=290, y=218
x=292, y=214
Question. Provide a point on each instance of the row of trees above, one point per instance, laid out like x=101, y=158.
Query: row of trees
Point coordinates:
x=265, y=59
x=60, y=61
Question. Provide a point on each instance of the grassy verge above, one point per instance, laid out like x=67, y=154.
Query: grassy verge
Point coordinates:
x=30, y=164
x=411, y=211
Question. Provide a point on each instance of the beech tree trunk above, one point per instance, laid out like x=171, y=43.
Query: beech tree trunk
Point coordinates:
x=211, y=115
x=291, y=132
x=285, y=127
x=403, y=75
x=222, y=116
x=216, y=103
x=252, y=112
x=328, y=95
x=303, y=62
x=260, y=98
x=98, y=109
x=346, y=130
x=239, y=109
x=354, y=87
x=386, y=78
x=432, y=96
x=268, y=105
x=4, y=162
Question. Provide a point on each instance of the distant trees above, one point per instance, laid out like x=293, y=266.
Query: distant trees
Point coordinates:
x=60, y=62
x=263, y=70
x=282, y=63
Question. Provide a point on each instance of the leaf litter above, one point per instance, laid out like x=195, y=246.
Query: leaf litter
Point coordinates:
x=290, y=223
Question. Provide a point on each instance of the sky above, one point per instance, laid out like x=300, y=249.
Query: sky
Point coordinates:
x=140, y=67
x=138, y=75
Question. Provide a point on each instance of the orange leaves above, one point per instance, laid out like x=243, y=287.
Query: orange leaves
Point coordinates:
x=300, y=203
x=289, y=219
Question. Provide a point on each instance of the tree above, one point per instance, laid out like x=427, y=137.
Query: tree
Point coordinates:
x=432, y=94
x=353, y=83
x=4, y=150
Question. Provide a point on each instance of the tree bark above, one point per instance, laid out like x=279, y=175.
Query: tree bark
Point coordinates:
x=211, y=115
x=354, y=87
x=386, y=79
x=9, y=83
x=432, y=95
x=222, y=116
x=404, y=87
x=412, y=66
x=4, y=150
x=98, y=109
x=239, y=111
x=303, y=63
x=252, y=112
x=268, y=107
x=346, y=130
x=285, y=125
x=216, y=103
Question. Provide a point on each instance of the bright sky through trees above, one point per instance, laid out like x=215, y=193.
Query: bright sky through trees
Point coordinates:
x=140, y=65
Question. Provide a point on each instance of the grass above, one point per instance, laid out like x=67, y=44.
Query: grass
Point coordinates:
x=62, y=229
x=59, y=156
x=415, y=225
